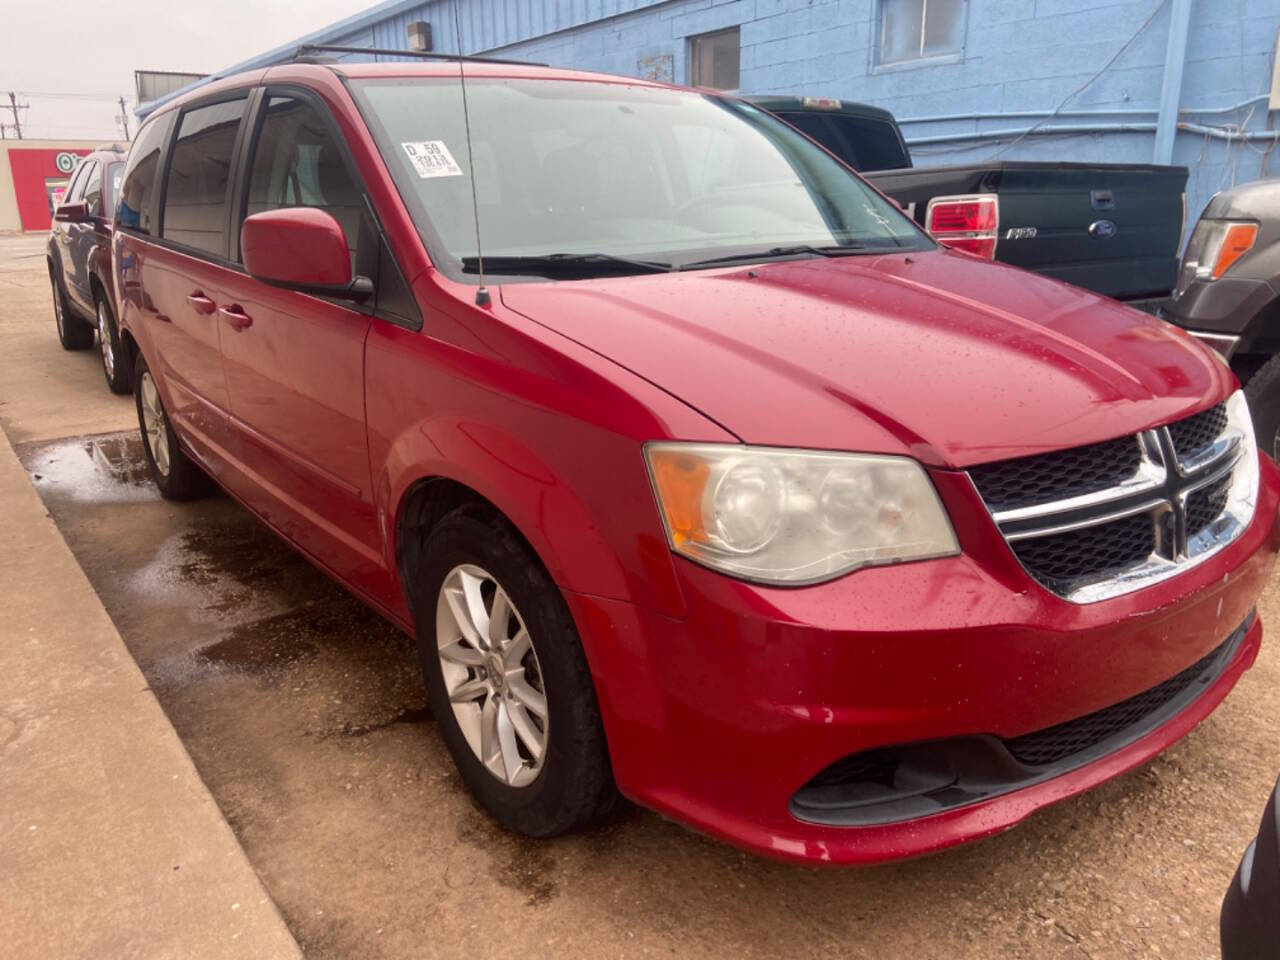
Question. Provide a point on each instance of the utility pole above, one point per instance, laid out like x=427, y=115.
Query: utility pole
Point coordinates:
x=15, y=107
x=124, y=119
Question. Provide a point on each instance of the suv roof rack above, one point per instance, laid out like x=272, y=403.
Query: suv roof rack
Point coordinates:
x=308, y=50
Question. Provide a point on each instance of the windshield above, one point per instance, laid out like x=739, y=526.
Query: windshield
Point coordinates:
x=588, y=168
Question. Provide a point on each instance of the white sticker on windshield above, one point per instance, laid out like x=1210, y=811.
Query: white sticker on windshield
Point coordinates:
x=431, y=158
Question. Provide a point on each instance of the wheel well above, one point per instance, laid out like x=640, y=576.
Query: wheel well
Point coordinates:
x=130, y=347
x=427, y=502
x=96, y=287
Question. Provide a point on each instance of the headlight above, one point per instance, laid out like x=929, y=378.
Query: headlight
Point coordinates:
x=792, y=516
x=1242, y=497
x=1214, y=246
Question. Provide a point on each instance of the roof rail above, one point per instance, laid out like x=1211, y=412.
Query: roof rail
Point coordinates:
x=308, y=49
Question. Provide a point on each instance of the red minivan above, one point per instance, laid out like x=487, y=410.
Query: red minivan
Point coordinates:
x=701, y=475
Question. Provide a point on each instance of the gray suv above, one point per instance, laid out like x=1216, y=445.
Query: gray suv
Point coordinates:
x=1228, y=294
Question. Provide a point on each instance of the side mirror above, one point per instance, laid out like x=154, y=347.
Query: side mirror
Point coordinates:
x=72, y=213
x=301, y=248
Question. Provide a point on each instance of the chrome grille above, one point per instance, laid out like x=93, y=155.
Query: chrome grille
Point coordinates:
x=1193, y=434
x=1098, y=521
x=1054, y=476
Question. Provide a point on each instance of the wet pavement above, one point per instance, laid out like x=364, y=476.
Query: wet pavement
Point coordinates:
x=305, y=714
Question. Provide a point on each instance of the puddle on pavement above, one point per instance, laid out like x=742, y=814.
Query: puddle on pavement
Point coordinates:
x=202, y=590
x=111, y=468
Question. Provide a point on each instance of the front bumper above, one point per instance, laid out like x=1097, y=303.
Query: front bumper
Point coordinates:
x=720, y=718
x=1223, y=307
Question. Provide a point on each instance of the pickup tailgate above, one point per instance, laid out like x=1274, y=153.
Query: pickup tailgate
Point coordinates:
x=1112, y=228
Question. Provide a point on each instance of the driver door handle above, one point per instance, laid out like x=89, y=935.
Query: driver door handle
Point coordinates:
x=200, y=302
x=236, y=317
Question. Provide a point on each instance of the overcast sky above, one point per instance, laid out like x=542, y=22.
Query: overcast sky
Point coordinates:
x=89, y=50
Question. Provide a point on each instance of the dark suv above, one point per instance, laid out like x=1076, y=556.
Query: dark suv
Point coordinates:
x=1228, y=294
x=80, y=263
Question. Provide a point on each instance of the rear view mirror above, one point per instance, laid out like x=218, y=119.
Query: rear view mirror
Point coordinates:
x=72, y=213
x=301, y=248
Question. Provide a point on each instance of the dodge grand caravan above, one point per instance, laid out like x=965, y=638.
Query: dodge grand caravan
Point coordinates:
x=702, y=475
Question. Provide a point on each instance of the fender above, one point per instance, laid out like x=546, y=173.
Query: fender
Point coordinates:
x=543, y=431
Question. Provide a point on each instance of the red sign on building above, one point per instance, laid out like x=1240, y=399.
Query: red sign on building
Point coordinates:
x=39, y=178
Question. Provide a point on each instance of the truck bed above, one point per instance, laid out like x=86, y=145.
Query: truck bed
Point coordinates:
x=1053, y=217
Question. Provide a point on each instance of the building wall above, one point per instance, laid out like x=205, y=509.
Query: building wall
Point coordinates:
x=1100, y=61
x=26, y=167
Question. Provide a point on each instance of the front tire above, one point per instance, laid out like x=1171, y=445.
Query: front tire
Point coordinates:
x=508, y=680
x=174, y=473
x=117, y=366
x=1263, y=394
x=73, y=333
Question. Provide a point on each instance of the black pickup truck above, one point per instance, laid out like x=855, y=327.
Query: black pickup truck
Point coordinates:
x=1112, y=228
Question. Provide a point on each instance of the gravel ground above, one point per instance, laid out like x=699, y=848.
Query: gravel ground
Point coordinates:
x=305, y=715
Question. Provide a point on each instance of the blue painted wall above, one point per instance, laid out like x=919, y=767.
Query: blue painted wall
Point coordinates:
x=1099, y=63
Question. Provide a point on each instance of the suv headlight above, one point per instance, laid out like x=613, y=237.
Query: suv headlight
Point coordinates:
x=1214, y=246
x=795, y=516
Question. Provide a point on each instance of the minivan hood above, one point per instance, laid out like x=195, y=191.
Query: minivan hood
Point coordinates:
x=952, y=360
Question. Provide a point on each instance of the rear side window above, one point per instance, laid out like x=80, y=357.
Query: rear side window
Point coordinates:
x=199, y=175
x=864, y=143
x=135, y=209
x=93, y=191
x=298, y=163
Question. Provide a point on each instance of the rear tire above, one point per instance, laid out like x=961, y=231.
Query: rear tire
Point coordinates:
x=117, y=365
x=175, y=474
x=568, y=783
x=73, y=332
x=1263, y=393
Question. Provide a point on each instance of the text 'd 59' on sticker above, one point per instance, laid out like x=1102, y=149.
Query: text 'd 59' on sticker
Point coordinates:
x=431, y=158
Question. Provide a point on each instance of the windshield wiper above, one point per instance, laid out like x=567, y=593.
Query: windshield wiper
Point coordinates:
x=836, y=250
x=560, y=264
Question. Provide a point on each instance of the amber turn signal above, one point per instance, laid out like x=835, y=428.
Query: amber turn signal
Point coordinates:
x=1238, y=241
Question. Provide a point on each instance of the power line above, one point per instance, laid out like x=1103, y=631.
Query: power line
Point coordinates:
x=68, y=96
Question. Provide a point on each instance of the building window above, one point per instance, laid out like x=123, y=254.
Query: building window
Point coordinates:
x=918, y=29
x=715, y=59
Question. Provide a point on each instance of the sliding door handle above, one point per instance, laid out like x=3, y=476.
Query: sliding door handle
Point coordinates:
x=237, y=318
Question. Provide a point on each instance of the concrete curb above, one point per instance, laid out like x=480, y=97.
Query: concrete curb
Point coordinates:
x=110, y=843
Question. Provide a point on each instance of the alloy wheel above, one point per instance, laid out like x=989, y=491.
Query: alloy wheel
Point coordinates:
x=104, y=337
x=492, y=676
x=154, y=427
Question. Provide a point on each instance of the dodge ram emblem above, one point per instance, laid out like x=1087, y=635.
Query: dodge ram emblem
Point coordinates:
x=1102, y=229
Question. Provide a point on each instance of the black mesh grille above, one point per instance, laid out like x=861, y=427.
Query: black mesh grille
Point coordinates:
x=1057, y=475
x=1058, y=743
x=1061, y=558
x=1193, y=434
x=870, y=766
x=1206, y=505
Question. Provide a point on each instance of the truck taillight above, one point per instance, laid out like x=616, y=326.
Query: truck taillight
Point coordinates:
x=970, y=223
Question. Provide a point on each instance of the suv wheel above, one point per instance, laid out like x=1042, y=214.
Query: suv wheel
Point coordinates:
x=508, y=679
x=116, y=363
x=174, y=473
x=1263, y=393
x=73, y=333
